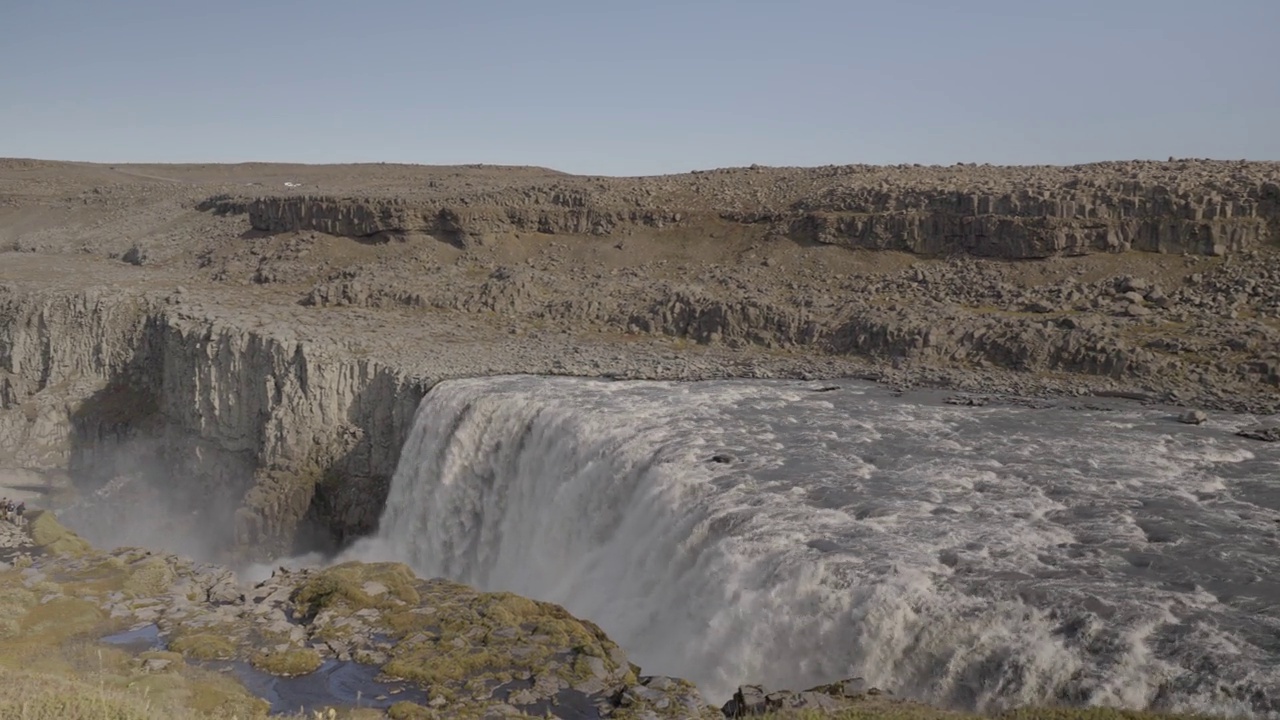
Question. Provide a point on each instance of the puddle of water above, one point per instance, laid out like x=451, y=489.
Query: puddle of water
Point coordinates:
x=342, y=684
x=334, y=684
x=139, y=639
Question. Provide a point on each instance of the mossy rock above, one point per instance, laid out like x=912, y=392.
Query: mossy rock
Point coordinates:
x=345, y=586
x=288, y=663
x=443, y=663
x=475, y=637
x=51, y=536
x=149, y=578
x=204, y=646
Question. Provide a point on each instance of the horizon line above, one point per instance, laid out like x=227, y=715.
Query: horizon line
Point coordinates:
x=693, y=171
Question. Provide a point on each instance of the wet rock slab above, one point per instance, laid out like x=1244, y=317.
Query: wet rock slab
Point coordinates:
x=1265, y=433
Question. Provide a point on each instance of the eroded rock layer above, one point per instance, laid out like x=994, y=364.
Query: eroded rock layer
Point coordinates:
x=1178, y=207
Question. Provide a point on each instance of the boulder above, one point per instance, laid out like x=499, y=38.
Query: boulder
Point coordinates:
x=1192, y=417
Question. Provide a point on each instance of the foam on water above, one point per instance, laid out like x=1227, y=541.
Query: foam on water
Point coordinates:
x=978, y=557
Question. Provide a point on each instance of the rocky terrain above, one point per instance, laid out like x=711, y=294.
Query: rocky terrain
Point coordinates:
x=372, y=638
x=264, y=333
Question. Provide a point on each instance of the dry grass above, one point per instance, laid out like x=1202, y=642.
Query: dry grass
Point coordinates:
x=33, y=696
x=41, y=696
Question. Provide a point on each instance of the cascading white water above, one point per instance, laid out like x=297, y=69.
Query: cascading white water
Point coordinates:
x=974, y=557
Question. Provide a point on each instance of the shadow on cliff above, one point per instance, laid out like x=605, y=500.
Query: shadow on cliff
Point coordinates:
x=349, y=493
x=137, y=479
x=143, y=479
x=323, y=502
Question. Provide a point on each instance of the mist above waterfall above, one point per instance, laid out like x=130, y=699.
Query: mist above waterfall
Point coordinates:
x=977, y=557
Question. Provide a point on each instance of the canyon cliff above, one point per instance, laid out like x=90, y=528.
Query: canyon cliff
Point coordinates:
x=254, y=353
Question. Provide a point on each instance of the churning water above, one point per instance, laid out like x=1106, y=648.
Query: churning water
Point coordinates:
x=970, y=556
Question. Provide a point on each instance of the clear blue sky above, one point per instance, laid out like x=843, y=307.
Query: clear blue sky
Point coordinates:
x=639, y=86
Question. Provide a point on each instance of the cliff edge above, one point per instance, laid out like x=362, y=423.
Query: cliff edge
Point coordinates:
x=265, y=332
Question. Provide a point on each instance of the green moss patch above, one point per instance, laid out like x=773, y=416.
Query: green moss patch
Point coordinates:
x=204, y=646
x=51, y=536
x=357, y=586
x=288, y=663
x=149, y=578
x=473, y=639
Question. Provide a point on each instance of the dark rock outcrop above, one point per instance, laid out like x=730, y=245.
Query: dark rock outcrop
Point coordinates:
x=1265, y=433
x=751, y=700
x=1196, y=207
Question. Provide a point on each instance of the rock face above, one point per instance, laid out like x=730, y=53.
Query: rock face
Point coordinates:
x=259, y=427
x=280, y=426
x=1203, y=208
x=460, y=225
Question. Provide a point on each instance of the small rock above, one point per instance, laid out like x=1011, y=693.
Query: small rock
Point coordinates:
x=1133, y=284
x=853, y=687
x=722, y=458
x=1192, y=417
x=135, y=256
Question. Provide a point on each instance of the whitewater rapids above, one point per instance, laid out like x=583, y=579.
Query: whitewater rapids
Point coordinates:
x=976, y=557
